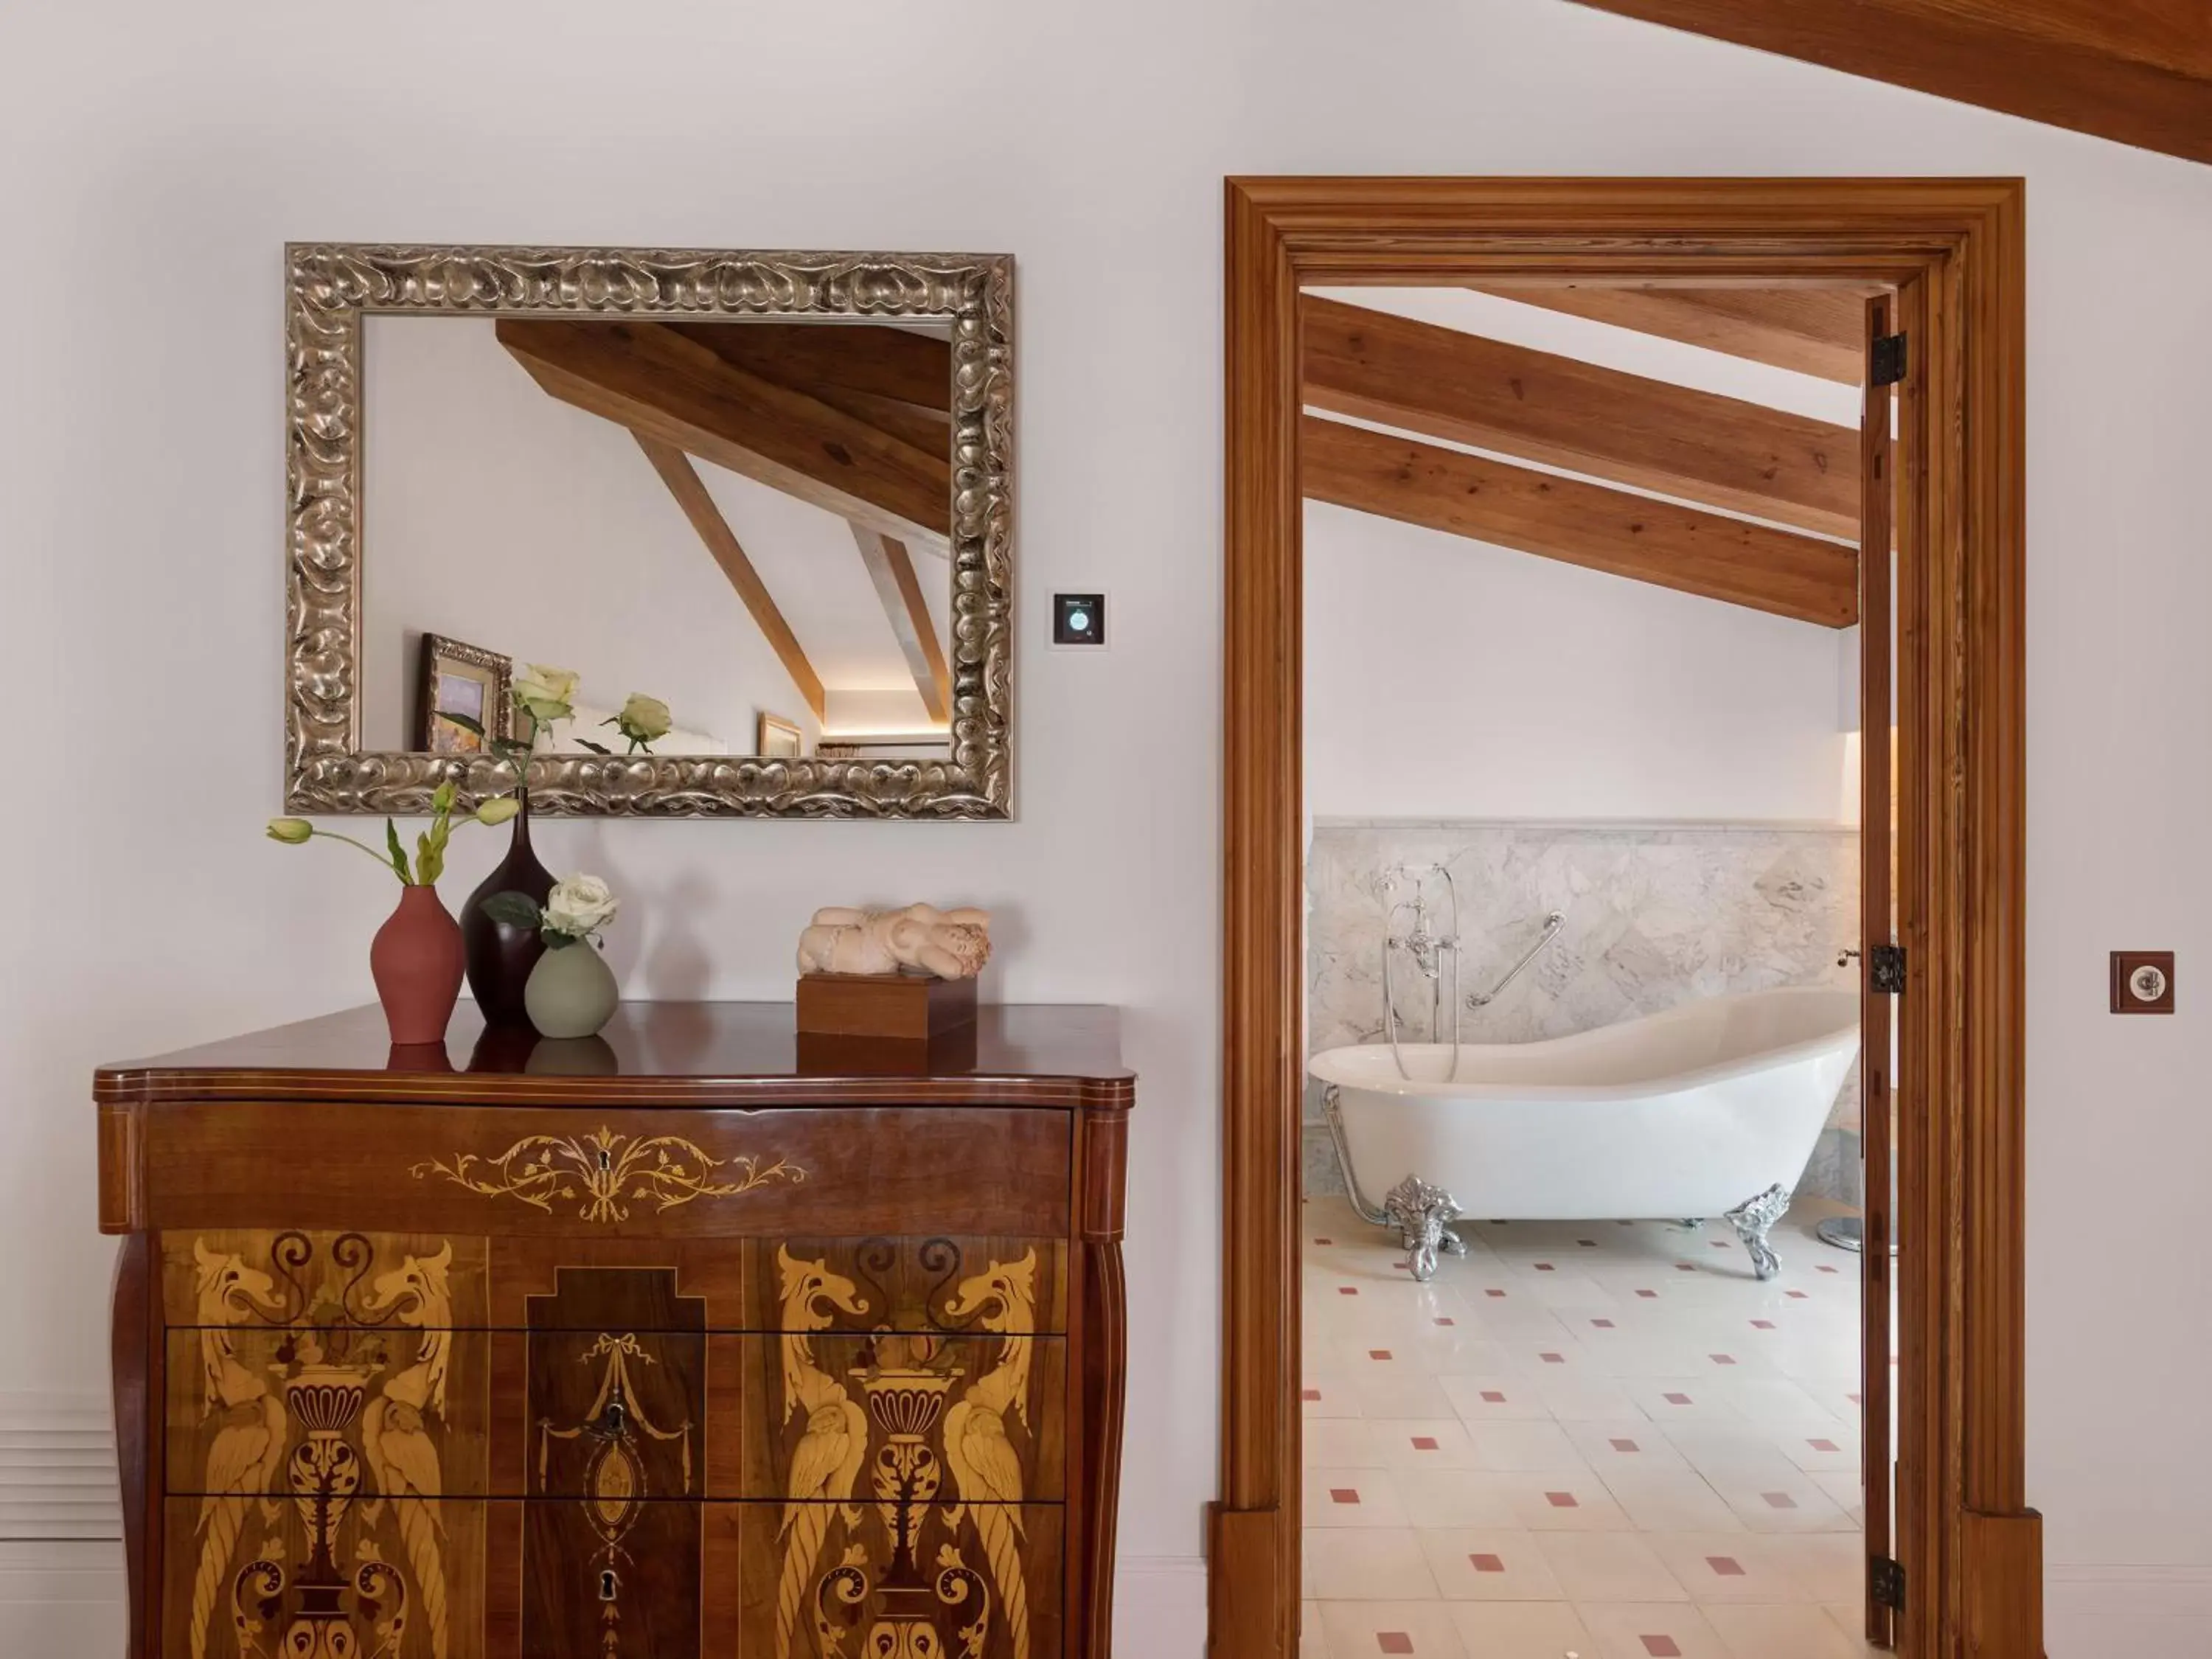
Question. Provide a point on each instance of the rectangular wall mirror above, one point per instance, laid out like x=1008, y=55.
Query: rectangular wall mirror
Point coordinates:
x=766, y=493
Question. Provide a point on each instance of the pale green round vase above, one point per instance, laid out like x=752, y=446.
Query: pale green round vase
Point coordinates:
x=571, y=991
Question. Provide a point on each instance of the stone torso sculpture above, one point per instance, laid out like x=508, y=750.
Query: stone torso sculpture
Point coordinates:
x=919, y=940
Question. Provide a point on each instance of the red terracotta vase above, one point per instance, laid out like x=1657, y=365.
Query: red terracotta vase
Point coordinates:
x=416, y=959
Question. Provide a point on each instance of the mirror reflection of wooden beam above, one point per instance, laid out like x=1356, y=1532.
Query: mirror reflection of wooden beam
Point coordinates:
x=865, y=368
x=1684, y=548
x=1465, y=389
x=685, y=483
x=666, y=386
x=1812, y=331
x=891, y=569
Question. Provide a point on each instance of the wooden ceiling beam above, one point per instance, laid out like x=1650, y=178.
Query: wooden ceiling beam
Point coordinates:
x=2139, y=72
x=685, y=483
x=1683, y=547
x=1811, y=330
x=1695, y=445
x=665, y=385
x=890, y=567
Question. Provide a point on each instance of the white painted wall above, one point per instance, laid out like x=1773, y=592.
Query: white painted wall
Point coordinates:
x=154, y=157
x=1447, y=678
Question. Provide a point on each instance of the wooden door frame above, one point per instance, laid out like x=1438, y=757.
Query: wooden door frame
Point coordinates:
x=1971, y=1548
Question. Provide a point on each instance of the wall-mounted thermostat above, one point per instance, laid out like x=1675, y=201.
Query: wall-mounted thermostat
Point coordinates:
x=1078, y=619
x=2143, y=982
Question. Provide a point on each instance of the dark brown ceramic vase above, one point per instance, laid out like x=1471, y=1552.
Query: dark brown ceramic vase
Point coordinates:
x=416, y=959
x=499, y=954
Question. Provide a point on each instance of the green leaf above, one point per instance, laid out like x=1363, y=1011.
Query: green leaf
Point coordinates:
x=597, y=749
x=430, y=852
x=466, y=722
x=399, y=852
x=515, y=910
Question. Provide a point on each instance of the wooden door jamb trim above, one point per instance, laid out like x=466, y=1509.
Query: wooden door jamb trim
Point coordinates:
x=1970, y=1544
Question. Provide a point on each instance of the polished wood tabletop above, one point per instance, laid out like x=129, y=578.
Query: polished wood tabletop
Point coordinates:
x=698, y=1054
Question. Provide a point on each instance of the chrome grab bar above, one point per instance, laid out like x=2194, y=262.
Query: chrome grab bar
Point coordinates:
x=1552, y=925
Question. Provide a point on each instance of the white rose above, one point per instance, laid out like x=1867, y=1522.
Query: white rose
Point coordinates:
x=579, y=906
x=553, y=684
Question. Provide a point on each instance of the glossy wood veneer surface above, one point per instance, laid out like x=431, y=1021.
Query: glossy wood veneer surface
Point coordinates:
x=686, y=1054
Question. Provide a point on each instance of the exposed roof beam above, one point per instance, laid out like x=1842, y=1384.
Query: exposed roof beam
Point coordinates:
x=685, y=483
x=1812, y=331
x=2139, y=72
x=891, y=569
x=1684, y=548
x=1695, y=445
x=665, y=385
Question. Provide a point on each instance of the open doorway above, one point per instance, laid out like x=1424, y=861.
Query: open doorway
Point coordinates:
x=1587, y=604
x=1944, y=259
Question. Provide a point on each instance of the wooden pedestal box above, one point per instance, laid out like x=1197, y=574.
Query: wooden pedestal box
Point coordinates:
x=909, y=1006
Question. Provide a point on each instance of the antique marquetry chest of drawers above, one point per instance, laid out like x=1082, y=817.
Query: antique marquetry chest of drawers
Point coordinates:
x=678, y=1342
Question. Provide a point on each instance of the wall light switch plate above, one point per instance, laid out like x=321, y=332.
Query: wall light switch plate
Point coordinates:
x=2143, y=982
x=1079, y=621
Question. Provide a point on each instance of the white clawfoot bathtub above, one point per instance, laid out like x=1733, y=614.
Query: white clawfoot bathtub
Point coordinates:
x=1709, y=1108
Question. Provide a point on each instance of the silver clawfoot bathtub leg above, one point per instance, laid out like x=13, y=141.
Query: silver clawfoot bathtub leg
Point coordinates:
x=1420, y=1213
x=1753, y=1220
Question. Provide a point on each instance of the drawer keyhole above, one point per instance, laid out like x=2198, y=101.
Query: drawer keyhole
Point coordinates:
x=615, y=1419
x=609, y=1586
x=606, y=1161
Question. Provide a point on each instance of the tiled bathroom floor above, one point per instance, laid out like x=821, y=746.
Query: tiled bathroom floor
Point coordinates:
x=1599, y=1439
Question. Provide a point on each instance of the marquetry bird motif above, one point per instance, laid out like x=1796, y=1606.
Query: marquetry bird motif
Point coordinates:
x=395, y=1436
x=834, y=1447
x=248, y=1450
x=986, y=1468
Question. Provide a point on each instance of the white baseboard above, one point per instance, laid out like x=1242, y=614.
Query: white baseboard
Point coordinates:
x=1159, y=1606
x=2090, y=1610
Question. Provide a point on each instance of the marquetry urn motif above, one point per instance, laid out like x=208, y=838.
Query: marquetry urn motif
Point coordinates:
x=933, y=1434
x=310, y=1449
x=464, y=1366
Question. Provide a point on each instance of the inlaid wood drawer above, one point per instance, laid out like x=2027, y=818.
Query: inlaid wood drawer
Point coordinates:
x=847, y=1173
x=485, y=1405
x=425, y=1578
x=863, y=1423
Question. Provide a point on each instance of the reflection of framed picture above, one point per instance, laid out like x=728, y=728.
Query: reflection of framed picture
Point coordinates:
x=459, y=679
x=778, y=740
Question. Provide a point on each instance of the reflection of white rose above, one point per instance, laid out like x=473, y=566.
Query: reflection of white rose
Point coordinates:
x=544, y=691
x=579, y=906
x=643, y=720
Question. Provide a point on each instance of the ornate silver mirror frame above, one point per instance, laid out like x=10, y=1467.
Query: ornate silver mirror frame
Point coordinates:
x=332, y=286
